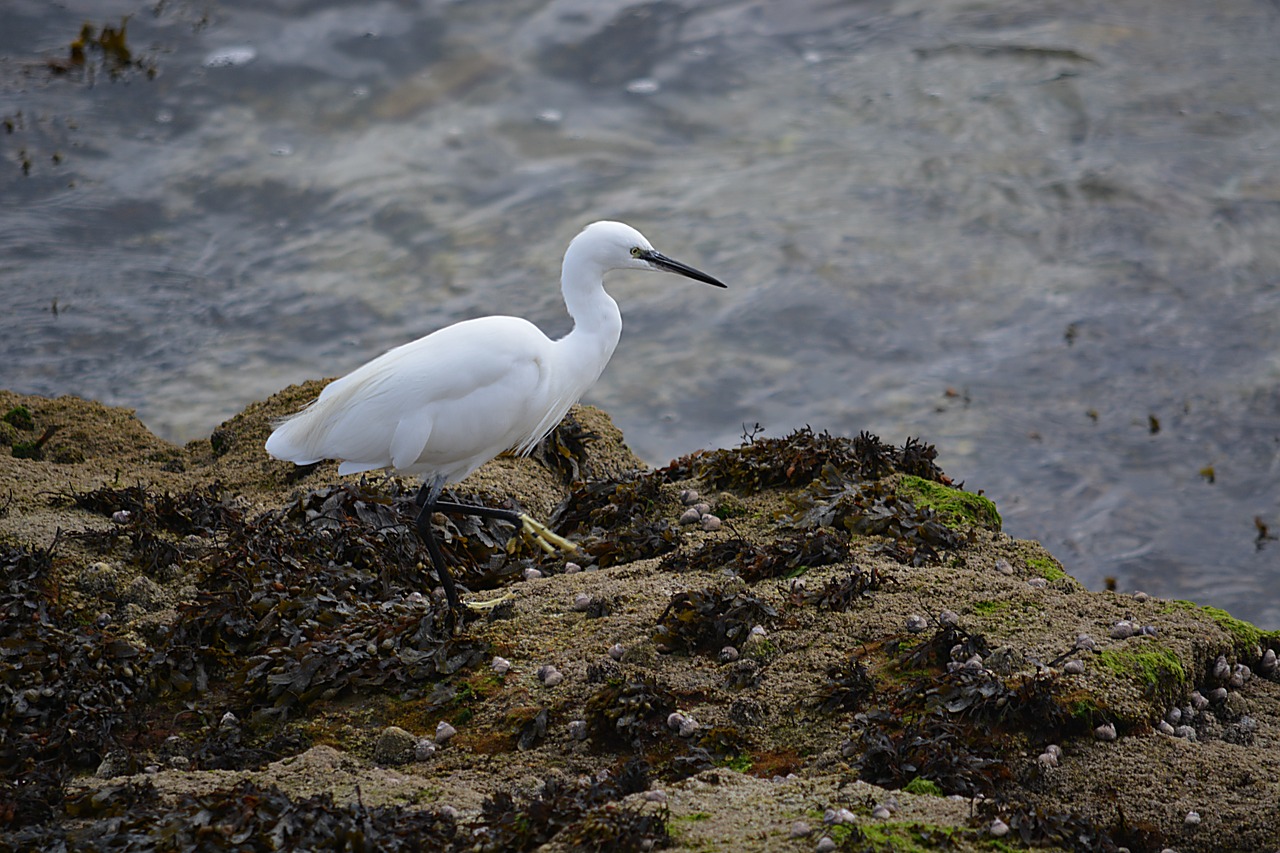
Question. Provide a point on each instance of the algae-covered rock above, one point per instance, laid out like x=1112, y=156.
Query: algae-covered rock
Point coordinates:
x=857, y=639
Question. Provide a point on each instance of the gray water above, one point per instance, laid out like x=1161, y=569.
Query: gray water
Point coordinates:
x=1030, y=233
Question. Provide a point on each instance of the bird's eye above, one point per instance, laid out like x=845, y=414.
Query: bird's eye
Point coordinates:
x=635, y=251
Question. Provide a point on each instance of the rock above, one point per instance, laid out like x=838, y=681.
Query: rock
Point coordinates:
x=1221, y=669
x=115, y=763
x=444, y=733
x=1123, y=630
x=1005, y=660
x=144, y=592
x=1105, y=732
x=1267, y=664
x=394, y=746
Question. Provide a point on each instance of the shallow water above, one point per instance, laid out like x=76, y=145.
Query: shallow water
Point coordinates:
x=1028, y=233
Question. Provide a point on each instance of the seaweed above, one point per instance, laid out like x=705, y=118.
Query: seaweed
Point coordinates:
x=583, y=815
x=68, y=690
x=849, y=685
x=1038, y=827
x=915, y=534
x=705, y=621
x=932, y=748
x=628, y=712
x=839, y=594
x=787, y=557
x=797, y=459
x=110, y=47
x=1029, y=703
x=246, y=817
x=566, y=450
x=947, y=644
x=617, y=521
x=398, y=647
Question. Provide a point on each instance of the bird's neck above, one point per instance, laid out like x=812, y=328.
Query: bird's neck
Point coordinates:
x=597, y=322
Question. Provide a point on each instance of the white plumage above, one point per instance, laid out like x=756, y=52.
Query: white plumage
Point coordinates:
x=445, y=404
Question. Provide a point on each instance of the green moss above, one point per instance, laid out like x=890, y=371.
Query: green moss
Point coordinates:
x=19, y=417
x=1155, y=668
x=904, y=837
x=986, y=608
x=921, y=785
x=730, y=506
x=27, y=450
x=956, y=509
x=741, y=763
x=1049, y=568
x=1246, y=635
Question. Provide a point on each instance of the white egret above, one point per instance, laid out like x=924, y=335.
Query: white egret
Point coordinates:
x=445, y=404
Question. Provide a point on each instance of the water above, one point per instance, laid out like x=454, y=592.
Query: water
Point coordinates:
x=1045, y=237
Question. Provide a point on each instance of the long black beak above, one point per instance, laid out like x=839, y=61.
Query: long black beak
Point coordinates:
x=662, y=262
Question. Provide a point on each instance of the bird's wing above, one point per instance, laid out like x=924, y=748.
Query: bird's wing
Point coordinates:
x=454, y=387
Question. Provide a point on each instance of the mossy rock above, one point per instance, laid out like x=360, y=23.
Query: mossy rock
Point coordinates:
x=956, y=508
x=1247, y=637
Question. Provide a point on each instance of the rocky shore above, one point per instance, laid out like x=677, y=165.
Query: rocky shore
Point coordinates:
x=804, y=643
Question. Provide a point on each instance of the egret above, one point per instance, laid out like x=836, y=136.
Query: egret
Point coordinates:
x=447, y=403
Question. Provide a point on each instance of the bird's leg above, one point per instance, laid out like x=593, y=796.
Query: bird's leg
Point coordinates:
x=426, y=499
x=548, y=540
x=429, y=503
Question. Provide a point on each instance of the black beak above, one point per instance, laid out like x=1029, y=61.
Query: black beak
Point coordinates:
x=662, y=262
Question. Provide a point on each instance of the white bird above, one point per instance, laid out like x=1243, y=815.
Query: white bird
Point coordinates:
x=445, y=404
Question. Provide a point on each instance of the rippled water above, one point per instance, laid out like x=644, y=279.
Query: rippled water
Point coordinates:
x=1045, y=237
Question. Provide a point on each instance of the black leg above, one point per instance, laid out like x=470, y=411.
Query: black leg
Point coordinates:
x=429, y=503
x=508, y=515
x=427, y=500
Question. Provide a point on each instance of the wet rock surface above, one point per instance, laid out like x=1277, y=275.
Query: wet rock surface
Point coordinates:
x=188, y=630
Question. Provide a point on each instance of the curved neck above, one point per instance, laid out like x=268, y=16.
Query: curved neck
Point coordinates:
x=597, y=322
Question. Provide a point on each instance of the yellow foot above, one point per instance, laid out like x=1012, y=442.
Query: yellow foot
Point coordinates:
x=546, y=539
x=491, y=604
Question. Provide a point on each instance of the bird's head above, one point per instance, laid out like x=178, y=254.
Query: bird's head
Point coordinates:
x=618, y=246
